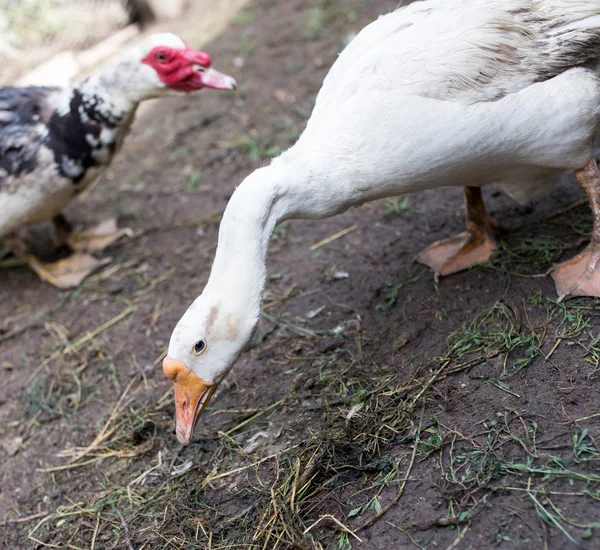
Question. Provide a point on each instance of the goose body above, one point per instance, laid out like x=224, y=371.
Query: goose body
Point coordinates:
x=435, y=94
x=458, y=55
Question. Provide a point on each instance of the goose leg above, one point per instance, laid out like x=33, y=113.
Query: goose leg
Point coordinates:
x=580, y=276
x=95, y=239
x=473, y=246
x=67, y=273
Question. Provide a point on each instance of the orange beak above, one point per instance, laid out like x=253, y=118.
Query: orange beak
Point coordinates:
x=191, y=397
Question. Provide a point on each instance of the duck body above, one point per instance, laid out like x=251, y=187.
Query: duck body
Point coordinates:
x=434, y=94
x=53, y=144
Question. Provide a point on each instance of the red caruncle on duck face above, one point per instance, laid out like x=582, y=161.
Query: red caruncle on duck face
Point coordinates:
x=187, y=70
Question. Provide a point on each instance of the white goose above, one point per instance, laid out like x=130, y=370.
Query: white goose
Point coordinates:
x=434, y=94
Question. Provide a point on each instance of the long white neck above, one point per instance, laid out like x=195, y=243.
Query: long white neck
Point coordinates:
x=239, y=270
x=287, y=188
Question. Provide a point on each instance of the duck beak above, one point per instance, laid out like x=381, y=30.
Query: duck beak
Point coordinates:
x=192, y=394
x=199, y=74
x=217, y=81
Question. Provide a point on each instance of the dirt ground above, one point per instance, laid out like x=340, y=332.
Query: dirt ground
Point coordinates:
x=374, y=409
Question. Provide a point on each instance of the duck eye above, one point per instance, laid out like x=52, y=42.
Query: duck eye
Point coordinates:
x=161, y=56
x=199, y=347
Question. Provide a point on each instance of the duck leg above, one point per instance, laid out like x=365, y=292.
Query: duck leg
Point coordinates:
x=580, y=276
x=67, y=273
x=95, y=239
x=473, y=246
x=62, y=230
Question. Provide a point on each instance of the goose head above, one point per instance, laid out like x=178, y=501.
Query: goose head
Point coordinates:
x=216, y=328
x=204, y=346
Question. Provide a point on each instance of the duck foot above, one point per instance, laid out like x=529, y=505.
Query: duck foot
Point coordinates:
x=580, y=276
x=66, y=273
x=94, y=239
x=472, y=247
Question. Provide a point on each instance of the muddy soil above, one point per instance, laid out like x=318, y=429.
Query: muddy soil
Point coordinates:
x=393, y=411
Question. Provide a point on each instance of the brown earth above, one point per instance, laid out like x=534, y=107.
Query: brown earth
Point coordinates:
x=469, y=408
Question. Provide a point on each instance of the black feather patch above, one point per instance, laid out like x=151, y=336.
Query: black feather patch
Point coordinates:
x=20, y=135
x=69, y=139
x=75, y=137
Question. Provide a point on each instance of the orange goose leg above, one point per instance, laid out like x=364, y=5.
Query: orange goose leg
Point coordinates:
x=472, y=247
x=580, y=276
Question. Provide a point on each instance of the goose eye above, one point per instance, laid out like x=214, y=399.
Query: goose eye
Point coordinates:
x=199, y=347
x=162, y=57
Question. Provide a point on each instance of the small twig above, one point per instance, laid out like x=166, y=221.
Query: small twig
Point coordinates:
x=195, y=221
x=337, y=522
x=126, y=530
x=548, y=515
x=20, y=330
x=285, y=296
x=12, y=262
x=69, y=466
x=96, y=530
x=568, y=208
x=554, y=348
x=104, y=433
x=25, y=519
x=497, y=384
x=587, y=417
x=237, y=516
x=69, y=511
x=38, y=319
x=91, y=335
x=416, y=398
x=333, y=237
x=81, y=342
x=146, y=473
x=400, y=492
x=459, y=538
x=159, y=359
x=300, y=331
x=295, y=484
x=253, y=417
x=208, y=479
x=405, y=532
